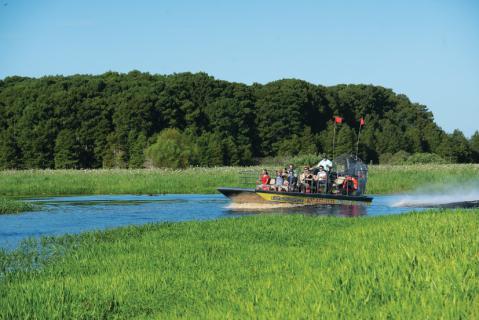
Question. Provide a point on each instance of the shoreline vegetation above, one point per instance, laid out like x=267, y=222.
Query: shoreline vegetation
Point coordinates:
x=14, y=206
x=411, y=266
x=383, y=179
x=129, y=119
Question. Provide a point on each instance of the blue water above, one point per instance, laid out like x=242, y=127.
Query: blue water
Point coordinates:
x=69, y=215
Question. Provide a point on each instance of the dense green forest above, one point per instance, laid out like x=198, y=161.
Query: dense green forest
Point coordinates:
x=114, y=120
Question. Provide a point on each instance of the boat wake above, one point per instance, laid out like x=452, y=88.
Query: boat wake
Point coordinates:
x=451, y=195
x=236, y=206
x=288, y=208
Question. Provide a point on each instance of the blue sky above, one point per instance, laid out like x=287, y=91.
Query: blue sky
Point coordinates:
x=428, y=50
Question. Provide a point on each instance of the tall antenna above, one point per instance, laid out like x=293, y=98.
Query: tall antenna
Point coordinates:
x=334, y=137
x=336, y=121
x=361, y=124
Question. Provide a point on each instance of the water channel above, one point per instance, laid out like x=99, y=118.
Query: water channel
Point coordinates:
x=70, y=215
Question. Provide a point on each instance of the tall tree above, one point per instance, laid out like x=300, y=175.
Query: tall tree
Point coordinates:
x=10, y=153
x=107, y=113
x=66, y=150
x=461, y=149
x=474, y=142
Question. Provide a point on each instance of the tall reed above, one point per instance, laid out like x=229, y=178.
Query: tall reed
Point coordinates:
x=382, y=179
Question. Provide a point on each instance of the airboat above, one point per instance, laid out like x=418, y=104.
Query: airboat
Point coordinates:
x=346, y=185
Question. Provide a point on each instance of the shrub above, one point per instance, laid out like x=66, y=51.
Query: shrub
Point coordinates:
x=425, y=158
x=399, y=157
x=402, y=157
x=172, y=149
x=385, y=158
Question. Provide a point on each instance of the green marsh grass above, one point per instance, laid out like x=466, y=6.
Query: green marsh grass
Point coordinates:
x=403, y=178
x=383, y=179
x=14, y=206
x=115, y=181
x=412, y=266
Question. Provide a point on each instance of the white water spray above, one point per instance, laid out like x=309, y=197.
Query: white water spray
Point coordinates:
x=436, y=195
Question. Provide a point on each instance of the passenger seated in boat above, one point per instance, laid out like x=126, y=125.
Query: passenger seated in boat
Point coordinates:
x=332, y=177
x=338, y=184
x=272, y=184
x=305, y=180
x=292, y=178
x=321, y=180
x=279, y=181
x=264, y=179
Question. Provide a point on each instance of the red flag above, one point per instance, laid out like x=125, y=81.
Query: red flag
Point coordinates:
x=361, y=122
x=338, y=119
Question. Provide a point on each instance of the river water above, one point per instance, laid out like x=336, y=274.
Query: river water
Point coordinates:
x=69, y=215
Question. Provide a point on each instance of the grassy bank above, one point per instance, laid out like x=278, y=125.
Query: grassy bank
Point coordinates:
x=413, y=266
x=393, y=179
x=116, y=181
x=383, y=179
x=13, y=206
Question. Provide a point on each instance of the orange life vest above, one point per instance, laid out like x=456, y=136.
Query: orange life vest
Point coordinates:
x=353, y=179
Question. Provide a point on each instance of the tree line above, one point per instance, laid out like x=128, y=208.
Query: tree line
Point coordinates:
x=115, y=120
